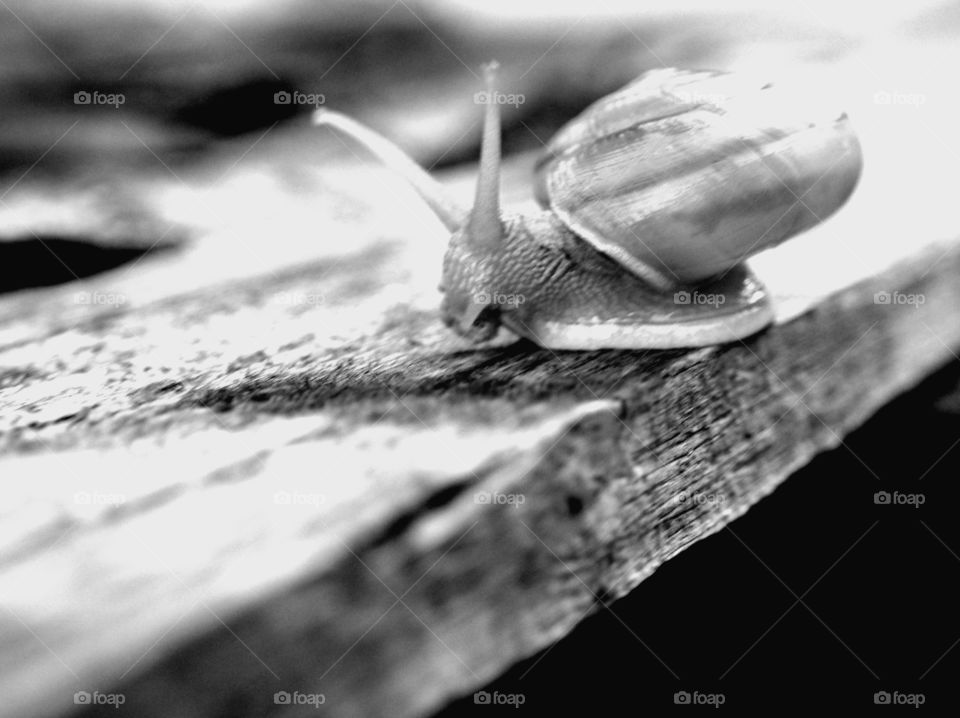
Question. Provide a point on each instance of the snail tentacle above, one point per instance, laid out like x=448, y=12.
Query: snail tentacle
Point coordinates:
x=432, y=192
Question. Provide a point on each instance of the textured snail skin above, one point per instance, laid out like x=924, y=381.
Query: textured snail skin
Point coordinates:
x=566, y=295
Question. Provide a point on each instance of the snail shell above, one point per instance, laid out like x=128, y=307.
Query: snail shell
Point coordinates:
x=681, y=175
x=654, y=195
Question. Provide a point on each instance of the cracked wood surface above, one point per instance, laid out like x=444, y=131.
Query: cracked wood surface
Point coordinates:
x=264, y=465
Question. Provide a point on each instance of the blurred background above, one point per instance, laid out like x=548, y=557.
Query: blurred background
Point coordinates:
x=133, y=126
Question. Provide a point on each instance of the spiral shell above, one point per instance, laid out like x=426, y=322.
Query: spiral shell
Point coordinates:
x=680, y=176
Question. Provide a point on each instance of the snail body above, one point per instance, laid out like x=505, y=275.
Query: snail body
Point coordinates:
x=651, y=199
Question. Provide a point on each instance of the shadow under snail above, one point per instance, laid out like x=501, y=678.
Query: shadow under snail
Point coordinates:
x=651, y=197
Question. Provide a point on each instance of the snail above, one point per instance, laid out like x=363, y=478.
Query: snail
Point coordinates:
x=650, y=202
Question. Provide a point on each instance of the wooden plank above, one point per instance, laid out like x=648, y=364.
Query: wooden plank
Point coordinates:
x=265, y=465
x=387, y=502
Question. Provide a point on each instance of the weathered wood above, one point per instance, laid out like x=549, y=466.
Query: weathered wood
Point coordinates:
x=266, y=465
x=672, y=448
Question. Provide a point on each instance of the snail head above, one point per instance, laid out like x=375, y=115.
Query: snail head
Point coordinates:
x=474, y=260
x=476, y=256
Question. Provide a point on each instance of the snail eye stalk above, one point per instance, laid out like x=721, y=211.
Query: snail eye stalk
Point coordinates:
x=484, y=228
x=432, y=192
